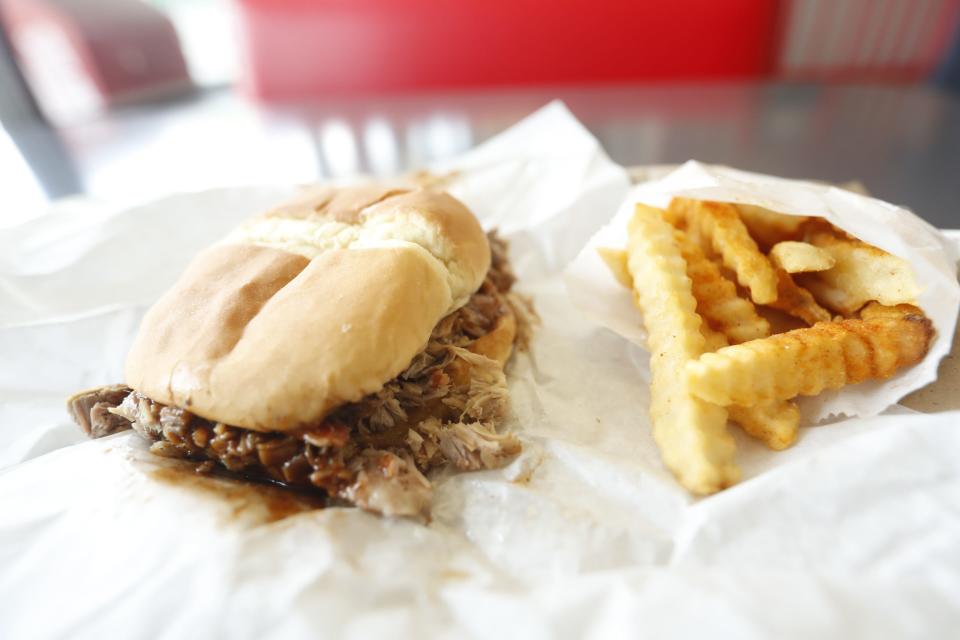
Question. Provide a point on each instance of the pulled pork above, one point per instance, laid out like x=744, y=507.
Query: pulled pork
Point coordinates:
x=374, y=452
x=91, y=410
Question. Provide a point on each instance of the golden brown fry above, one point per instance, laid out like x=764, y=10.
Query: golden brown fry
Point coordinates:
x=712, y=340
x=818, y=225
x=675, y=217
x=691, y=434
x=800, y=257
x=717, y=299
x=862, y=273
x=877, y=310
x=718, y=225
x=616, y=261
x=807, y=361
x=679, y=213
x=797, y=301
x=831, y=297
x=775, y=423
x=769, y=227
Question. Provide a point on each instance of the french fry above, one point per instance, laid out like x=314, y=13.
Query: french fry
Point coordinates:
x=717, y=300
x=679, y=211
x=828, y=355
x=712, y=348
x=817, y=225
x=712, y=339
x=877, y=310
x=775, y=423
x=718, y=225
x=834, y=298
x=691, y=434
x=616, y=261
x=862, y=273
x=769, y=227
x=800, y=257
x=797, y=301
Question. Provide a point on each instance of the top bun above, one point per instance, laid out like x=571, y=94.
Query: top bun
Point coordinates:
x=314, y=304
x=327, y=218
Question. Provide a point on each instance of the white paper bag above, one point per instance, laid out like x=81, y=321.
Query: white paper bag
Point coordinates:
x=889, y=227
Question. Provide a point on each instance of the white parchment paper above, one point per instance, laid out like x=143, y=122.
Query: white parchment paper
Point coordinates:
x=851, y=533
x=884, y=225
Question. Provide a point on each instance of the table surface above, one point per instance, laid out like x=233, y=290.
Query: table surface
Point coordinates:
x=903, y=143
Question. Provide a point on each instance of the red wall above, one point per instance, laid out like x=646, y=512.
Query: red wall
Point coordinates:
x=302, y=48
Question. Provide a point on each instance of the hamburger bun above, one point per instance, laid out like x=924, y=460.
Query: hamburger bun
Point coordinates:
x=314, y=304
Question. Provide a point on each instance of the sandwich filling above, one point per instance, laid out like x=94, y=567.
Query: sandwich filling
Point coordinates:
x=443, y=409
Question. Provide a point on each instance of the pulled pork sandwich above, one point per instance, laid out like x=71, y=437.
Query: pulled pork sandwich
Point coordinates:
x=346, y=342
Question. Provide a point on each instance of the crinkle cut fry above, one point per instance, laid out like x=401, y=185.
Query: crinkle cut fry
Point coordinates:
x=800, y=257
x=717, y=299
x=769, y=227
x=691, y=434
x=861, y=273
x=806, y=361
x=797, y=301
x=736, y=320
x=718, y=225
x=876, y=310
x=616, y=261
x=775, y=424
x=718, y=303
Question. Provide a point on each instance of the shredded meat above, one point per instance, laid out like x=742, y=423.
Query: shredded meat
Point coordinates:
x=91, y=410
x=466, y=445
x=374, y=452
x=500, y=271
x=388, y=484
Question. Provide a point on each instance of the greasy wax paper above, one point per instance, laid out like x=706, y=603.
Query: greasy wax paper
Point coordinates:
x=892, y=228
x=851, y=533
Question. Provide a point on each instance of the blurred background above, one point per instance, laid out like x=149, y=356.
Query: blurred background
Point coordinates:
x=124, y=100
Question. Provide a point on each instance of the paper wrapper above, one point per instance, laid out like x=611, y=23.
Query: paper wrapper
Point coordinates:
x=853, y=532
x=881, y=224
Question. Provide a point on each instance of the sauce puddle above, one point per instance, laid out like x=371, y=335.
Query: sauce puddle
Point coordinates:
x=249, y=500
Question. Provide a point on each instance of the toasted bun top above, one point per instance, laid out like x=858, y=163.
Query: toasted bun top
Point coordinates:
x=314, y=304
x=327, y=218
